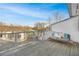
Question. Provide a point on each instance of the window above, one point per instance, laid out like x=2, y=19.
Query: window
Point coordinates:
x=0, y=35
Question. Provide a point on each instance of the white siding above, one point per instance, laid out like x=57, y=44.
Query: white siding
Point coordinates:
x=69, y=26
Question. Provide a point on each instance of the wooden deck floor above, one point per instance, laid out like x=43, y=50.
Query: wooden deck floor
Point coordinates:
x=46, y=48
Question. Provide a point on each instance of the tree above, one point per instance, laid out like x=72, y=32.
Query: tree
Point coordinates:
x=57, y=16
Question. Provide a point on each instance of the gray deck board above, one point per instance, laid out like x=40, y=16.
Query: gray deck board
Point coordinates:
x=46, y=48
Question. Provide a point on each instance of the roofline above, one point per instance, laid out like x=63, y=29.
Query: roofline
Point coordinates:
x=64, y=20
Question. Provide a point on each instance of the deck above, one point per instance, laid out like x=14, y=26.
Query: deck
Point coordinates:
x=45, y=48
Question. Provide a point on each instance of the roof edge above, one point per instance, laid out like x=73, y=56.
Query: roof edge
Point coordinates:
x=64, y=20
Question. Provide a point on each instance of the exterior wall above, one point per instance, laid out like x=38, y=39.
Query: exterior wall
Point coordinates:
x=69, y=26
x=3, y=37
x=47, y=35
x=14, y=37
x=22, y=38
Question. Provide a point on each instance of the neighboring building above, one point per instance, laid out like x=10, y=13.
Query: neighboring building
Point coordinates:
x=70, y=25
x=13, y=36
x=40, y=28
x=14, y=33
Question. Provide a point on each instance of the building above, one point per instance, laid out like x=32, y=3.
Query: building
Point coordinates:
x=69, y=25
x=40, y=29
x=14, y=33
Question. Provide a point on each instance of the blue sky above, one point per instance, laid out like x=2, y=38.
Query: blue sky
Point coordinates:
x=29, y=13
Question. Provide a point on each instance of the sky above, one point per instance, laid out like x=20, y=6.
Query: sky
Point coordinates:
x=30, y=13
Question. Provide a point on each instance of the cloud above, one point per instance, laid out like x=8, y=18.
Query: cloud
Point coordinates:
x=25, y=11
x=27, y=14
